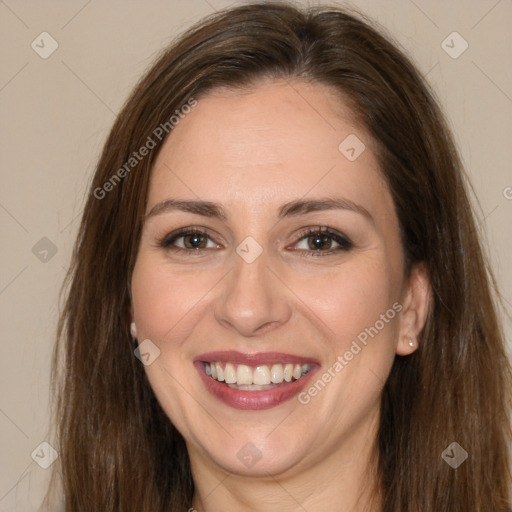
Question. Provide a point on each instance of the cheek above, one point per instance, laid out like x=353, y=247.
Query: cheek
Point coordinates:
x=168, y=303
x=350, y=298
x=166, y=299
x=358, y=304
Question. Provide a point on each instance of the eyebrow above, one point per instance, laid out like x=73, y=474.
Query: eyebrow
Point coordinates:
x=291, y=209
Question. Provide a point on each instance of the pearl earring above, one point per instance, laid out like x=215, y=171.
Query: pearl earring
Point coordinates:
x=412, y=342
x=133, y=330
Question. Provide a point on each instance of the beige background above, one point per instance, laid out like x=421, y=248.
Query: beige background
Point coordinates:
x=56, y=112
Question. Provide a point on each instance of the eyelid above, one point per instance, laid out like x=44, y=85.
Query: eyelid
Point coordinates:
x=344, y=242
x=341, y=239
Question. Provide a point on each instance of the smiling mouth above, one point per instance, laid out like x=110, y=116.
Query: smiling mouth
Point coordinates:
x=255, y=378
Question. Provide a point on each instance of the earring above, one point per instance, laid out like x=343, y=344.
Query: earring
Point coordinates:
x=412, y=341
x=133, y=330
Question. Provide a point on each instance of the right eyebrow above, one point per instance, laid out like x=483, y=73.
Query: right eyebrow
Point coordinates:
x=205, y=208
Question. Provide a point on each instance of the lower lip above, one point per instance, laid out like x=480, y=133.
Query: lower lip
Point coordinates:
x=254, y=400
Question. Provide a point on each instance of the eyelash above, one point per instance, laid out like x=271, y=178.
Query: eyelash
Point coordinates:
x=344, y=242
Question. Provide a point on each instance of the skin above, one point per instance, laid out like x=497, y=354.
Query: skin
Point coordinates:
x=251, y=151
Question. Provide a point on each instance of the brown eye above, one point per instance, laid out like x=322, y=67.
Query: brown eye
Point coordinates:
x=319, y=242
x=190, y=239
x=322, y=241
x=195, y=241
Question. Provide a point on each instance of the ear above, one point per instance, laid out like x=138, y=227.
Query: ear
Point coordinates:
x=415, y=302
x=133, y=327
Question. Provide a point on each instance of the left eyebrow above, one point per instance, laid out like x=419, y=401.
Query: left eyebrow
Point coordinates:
x=304, y=206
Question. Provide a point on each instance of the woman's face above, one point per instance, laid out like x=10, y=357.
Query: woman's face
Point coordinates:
x=288, y=281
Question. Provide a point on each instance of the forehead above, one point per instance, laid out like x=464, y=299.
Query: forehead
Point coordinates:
x=273, y=142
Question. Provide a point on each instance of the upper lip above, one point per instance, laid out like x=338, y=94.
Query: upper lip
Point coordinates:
x=253, y=359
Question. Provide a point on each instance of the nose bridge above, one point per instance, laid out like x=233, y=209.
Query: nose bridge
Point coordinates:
x=252, y=299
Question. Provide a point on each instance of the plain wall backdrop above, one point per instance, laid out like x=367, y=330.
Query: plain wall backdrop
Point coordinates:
x=66, y=69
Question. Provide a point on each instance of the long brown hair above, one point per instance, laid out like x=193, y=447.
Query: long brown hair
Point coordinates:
x=118, y=450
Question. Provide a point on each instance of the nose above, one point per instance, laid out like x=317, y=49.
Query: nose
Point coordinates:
x=253, y=300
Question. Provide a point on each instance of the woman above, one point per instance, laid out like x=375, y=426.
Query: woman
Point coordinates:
x=278, y=300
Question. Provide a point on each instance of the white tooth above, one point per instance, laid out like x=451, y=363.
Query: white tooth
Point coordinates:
x=261, y=375
x=277, y=373
x=251, y=387
x=305, y=368
x=220, y=372
x=243, y=375
x=230, y=374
